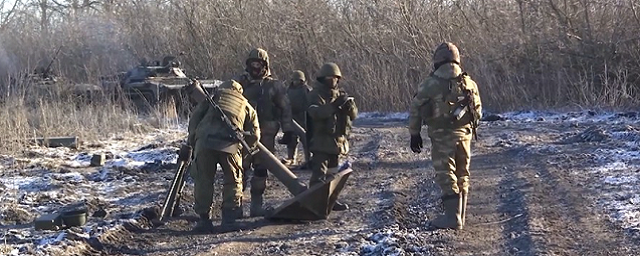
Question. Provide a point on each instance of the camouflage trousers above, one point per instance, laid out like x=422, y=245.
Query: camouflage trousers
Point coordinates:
x=451, y=156
x=204, y=172
x=321, y=163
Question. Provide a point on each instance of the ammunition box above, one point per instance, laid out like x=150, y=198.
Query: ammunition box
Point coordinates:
x=51, y=221
x=98, y=160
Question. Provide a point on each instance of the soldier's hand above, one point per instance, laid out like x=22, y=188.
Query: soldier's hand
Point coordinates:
x=416, y=143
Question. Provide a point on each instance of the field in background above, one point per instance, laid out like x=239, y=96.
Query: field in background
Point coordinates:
x=524, y=54
x=28, y=114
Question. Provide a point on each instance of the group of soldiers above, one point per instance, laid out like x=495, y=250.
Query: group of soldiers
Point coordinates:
x=259, y=104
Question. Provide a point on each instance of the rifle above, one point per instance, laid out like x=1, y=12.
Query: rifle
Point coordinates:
x=171, y=202
x=236, y=133
x=462, y=109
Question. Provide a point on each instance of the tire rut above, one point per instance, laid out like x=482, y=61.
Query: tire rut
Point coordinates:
x=566, y=220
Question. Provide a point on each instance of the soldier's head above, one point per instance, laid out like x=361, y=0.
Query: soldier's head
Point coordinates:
x=298, y=78
x=231, y=85
x=257, y=64
x=446, y=53
x=329, y=75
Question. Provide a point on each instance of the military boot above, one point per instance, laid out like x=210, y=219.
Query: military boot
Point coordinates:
x=204, y=224
x=258, y=185
x=339, y=206
x=451, y=218
x=463, y=205
x=230, y=215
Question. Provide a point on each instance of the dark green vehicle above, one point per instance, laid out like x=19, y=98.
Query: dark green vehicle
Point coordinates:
x=157, y=84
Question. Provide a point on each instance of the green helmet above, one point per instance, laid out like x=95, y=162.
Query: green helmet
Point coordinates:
x=298, y=75
x=329, y=69
x=446, y=52
x=258, y=54
x=231, y=84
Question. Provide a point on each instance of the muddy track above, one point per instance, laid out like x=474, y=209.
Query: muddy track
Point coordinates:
x=520, y=203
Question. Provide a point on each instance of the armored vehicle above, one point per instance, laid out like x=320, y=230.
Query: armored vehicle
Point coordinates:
x=158, y=84
x=56, y=87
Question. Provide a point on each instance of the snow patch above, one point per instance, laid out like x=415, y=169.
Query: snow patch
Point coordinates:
x=49, y=179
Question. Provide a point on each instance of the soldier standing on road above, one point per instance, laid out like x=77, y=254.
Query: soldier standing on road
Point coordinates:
x=331, y=112
x=449, y=103
x=297, y=91
x=269, y=97
x=214, y=144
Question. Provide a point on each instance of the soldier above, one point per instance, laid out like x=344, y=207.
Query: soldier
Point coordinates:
x=449, y=103
x=331, y=112
x=214, y=144
x=269, y=97
x=297, y=92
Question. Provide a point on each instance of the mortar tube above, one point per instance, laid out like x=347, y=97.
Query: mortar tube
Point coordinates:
x=279, y=170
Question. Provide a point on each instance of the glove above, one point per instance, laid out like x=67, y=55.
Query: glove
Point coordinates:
x=287, y=138
x=416, y=143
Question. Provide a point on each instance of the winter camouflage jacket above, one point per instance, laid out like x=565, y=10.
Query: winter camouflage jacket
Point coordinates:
x=439, y=97
x=331, y=126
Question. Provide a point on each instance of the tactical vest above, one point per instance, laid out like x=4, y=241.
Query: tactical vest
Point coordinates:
x=233, y=104
x=220, y=137
x=445, y=110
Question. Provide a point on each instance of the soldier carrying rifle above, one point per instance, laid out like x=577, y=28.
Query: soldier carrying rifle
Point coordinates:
x=213, y=133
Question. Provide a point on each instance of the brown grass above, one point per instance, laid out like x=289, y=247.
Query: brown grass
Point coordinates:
x=523, y=54
x=30, y=114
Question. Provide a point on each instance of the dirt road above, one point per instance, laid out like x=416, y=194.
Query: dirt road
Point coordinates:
x=531, y=195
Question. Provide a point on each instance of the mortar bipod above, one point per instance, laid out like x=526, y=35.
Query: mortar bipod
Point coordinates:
x=314, y=203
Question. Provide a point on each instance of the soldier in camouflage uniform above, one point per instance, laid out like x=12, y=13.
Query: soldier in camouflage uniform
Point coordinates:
x=331, y=112
x=449, y=103
x=214, y=144
x=269, y=97
x=297, y=92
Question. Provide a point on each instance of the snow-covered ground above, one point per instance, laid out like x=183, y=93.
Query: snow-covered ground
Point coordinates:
x=615, y=163
x=41, y=180
x=616, y=159
x=45, y=180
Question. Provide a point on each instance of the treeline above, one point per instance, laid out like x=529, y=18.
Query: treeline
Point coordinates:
x=523, y=53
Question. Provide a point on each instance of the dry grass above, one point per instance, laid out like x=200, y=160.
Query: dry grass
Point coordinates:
x=523, y=54
x=29, y=115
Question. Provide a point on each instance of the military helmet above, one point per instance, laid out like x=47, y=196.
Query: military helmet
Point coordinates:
x=329, y=69
x=446, y=52
x=298, y=75
x=258, y=54
x=231, y=84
